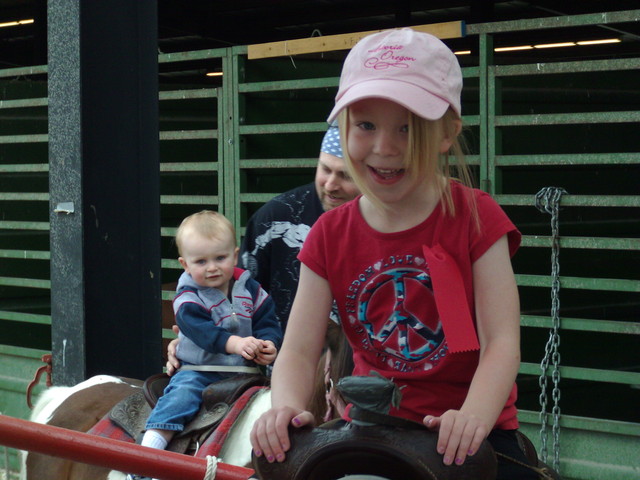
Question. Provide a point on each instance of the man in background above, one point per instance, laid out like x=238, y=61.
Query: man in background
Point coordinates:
x=276, y=232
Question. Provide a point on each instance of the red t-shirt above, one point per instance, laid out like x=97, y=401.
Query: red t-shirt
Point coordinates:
x=382, y=285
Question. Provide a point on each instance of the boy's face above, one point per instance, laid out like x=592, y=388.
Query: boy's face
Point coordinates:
x=209, y=261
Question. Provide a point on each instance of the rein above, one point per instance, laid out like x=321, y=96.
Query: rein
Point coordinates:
x=47, y=358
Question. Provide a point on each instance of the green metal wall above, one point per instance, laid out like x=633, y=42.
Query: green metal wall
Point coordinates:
x=234, y=144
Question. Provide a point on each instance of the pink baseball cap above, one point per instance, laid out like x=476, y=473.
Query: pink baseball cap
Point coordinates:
x=413, y=69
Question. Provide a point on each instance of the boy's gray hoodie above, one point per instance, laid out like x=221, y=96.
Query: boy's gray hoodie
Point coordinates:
x=207, y=319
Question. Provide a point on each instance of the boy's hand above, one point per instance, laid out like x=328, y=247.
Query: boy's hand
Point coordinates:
x=267, y=353
x=247, y=347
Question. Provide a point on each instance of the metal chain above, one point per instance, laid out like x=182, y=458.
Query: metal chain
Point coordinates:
x=548, y=200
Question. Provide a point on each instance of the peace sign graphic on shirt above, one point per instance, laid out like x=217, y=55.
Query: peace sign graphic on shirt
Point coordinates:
x=398, y=311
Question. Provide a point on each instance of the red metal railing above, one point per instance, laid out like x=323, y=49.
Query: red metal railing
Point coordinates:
x=109, y=453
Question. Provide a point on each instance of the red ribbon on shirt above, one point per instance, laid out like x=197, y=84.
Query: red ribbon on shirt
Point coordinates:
x=451, y=300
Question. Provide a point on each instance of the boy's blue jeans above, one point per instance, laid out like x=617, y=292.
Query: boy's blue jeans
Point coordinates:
x=181, y=400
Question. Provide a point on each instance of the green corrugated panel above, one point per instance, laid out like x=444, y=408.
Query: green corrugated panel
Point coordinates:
x=168, y=334
x=569, y=159
x=230, y=115
x=25, y=282
x=282, y=128
x=34, y=138
x=168, y=295
x=170, y=263
x=607, y=65
x=25, y=168
x=168, y=231
x=18, y=366
x=188, y=94
x=598, y=243
x=23, y=71
x=575, y=200
x=471, y=72
x=189, y=199
x=566, y=118
x=587, y=423
x=591, y=374
x=189, y=135
x=581, y=283
x=555, y=22
x=288, y=85
x=25, y=254
x=256, y=197
x=25, y=317
x=471, y=120
x=487, y=102
x=591, y=448
x=14, y=225
x=24, y=103
x=19, y=196
x=190, y=56
x=472, y=159
x=582, y=324
x=568, y=67
x=189, y=167
x=279, y=163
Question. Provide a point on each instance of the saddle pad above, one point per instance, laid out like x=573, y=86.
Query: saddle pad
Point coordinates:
x=213, y=444
x=107, y=428
x=131, y=414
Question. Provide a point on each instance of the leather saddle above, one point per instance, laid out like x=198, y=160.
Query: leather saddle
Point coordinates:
x=339, y=448
x=131, y=413
x=378, y=444
x=372, y=443
x=395, y=452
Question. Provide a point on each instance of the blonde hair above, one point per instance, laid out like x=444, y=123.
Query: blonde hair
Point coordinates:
x=423, y=158
x=207, y=223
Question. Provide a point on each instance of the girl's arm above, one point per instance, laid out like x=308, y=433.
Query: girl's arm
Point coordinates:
x=292, y=381
x=498, y=323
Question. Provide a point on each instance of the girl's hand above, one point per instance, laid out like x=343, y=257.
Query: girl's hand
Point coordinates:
x=460, y=434
x=270, y=436
x=267, y=353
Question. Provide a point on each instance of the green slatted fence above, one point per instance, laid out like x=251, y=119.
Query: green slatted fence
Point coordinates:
x=233, y=143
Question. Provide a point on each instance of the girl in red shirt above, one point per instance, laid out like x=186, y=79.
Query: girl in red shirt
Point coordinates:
x=419, y=264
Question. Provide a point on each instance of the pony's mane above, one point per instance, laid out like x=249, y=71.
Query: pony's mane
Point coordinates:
x=51, y=398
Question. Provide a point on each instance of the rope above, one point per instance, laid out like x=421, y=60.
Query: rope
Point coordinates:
x=212, y=466
x=7, y=470
x=548, y=200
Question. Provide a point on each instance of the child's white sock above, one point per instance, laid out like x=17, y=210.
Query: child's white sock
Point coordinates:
x=154, y=439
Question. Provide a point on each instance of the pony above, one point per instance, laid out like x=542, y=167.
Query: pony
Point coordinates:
x=82, y=406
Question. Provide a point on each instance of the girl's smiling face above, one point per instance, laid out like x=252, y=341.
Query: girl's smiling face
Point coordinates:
x=377, y=143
